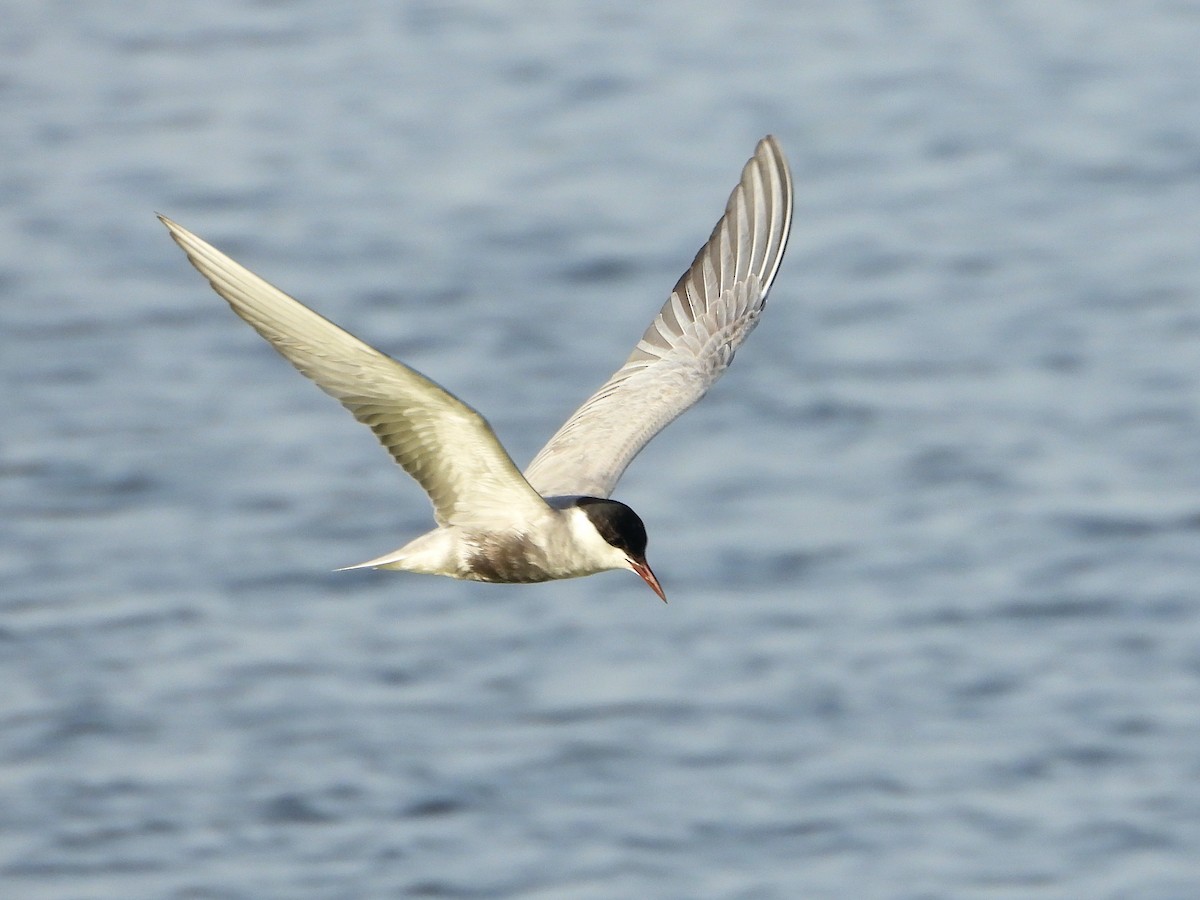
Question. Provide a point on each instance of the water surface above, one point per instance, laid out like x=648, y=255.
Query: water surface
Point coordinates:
x=931, y=546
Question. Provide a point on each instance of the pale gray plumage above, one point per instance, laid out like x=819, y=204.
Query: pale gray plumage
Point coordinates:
x=711, y=310
x=414, y=418
x=494, y=524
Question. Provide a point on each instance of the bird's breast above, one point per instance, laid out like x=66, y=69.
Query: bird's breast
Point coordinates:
x=509, y=558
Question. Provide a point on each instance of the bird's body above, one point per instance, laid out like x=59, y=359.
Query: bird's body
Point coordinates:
x=555, y=521
x=561, y=542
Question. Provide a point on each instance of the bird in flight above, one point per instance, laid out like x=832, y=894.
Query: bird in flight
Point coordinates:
x=557, y=519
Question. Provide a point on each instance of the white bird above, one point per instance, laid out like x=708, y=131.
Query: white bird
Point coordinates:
x=556, y=521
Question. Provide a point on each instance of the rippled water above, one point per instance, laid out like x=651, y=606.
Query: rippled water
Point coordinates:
x=932, y=546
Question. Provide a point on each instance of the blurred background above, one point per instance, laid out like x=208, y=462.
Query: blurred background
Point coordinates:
x=931, y=546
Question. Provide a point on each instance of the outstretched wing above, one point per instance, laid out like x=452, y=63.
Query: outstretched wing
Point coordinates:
x=445, y=445
x=691, y=341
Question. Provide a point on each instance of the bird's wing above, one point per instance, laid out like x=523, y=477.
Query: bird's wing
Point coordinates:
x=689, y=344
x=445, y=445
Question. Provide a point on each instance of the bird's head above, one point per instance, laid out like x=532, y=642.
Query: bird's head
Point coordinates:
x=622, y=529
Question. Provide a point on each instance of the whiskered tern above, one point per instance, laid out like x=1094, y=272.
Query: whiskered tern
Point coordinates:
x=557, y=520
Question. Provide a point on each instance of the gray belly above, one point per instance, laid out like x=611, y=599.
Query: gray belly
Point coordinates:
x=510, y=559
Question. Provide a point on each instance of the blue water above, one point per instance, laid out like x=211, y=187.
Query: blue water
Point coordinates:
x=932, y=546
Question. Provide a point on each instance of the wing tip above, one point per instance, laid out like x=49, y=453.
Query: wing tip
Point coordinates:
x=187, y=241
